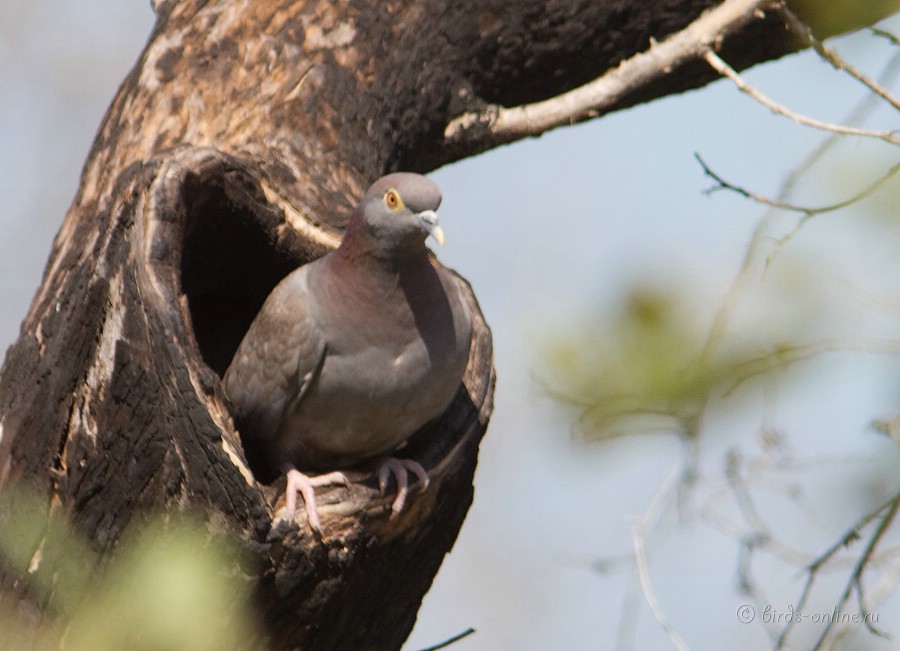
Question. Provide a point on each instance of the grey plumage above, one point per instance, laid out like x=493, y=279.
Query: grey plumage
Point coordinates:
x=352, y=353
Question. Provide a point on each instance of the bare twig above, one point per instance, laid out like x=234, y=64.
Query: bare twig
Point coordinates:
x=755, y=534
x=725, y=70
x=867, y=104
x=887, y=584
x=889, y=509
x=808, y=211
x=787, y=355
x=745, y=503
x=760, y=234
x=628, y=620
x=600, y=95
x=802, y=29
x=448, y=642
x=855, y=580
x=883, y=33
x=758, y=537
x=639, y=534
x=856, y=116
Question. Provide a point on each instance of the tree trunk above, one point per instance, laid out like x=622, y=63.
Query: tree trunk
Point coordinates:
x=231, y=154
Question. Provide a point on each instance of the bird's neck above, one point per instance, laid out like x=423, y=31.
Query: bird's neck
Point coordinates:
x=359, y=276
x=372, y=255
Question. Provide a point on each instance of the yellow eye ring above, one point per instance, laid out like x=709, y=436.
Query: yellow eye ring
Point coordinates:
x=392, y=200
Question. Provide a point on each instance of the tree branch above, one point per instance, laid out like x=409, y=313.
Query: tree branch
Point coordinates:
x=639, y=533
x=802, y=29
x=808, y=211
x=725, y=70
x=453, y=640
x=854, y=582
x=500, y=125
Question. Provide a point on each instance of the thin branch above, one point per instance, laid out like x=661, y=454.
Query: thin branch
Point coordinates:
x=850, y=536
x=759, y=536
x=866, y=105
x=889, y=579
x=600, y=95
x=743, y=276
x=855, y=580
x=628, y=620
x=856, y=116
x=756, y=538
x=802, y=29
x=745, y=502
x=883, y=33
x=789, y=355
x=752, y=536
x=448, y=642
x=650, y=522
x=716, y=62
x=640, y=556
x=722, y=184
x=808, y=211
x=871, y=299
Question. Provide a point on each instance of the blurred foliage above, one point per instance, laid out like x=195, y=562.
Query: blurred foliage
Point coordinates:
x=880, y=207
x=170, y=585
x=888, y=426
x=641, y=367
x=830, y=17
x=655, y=361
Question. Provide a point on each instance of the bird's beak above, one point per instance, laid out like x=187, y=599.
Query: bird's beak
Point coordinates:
x=430, y=223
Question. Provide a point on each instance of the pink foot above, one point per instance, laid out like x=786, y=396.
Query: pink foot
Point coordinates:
x=297, y=482
x=399, y=468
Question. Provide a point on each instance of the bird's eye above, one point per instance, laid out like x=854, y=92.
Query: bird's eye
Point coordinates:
x=393, y=200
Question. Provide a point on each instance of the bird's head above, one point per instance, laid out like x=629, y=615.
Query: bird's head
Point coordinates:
x=399, y=212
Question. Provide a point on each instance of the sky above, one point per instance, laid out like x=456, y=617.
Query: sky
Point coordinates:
x=555, y=232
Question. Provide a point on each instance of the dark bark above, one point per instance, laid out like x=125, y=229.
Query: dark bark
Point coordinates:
x=230, y=155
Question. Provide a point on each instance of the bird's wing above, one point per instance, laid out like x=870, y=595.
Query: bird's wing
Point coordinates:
x=278, y=359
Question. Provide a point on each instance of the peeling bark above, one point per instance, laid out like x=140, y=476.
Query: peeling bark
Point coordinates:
x=232, y=154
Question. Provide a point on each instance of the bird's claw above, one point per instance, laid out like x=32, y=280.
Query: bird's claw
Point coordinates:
x=297, y=482
x=400, y=468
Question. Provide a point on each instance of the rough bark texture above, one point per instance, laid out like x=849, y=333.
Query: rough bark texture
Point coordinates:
x=232, y=154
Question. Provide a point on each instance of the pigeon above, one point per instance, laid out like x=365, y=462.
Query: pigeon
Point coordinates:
x=352, y=353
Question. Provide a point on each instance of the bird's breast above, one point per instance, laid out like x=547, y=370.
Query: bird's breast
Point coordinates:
x=392, y=363
x=369, y=402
